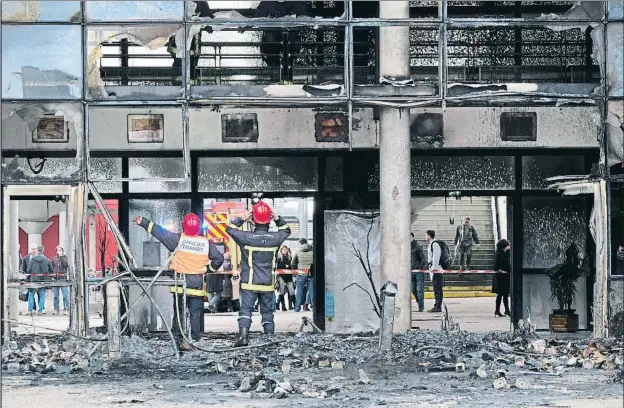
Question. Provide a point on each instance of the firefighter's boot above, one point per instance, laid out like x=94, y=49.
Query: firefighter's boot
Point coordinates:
x=243, y=338
x=269, y=330
x=186, y=346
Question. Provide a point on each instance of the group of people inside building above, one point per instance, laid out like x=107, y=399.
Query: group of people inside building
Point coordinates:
x=293, y=290
x=439, y=260
x=38, y=268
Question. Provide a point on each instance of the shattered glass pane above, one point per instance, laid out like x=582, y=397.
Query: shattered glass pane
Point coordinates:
x=334, y=174
x=424, y=55
x=507, y=9
x=134, y=62
x=271, y=56
x=166, y=213
x=488, y=55
x=41, y=11
x=457, y=173
x=615, y=59
x=157, y=167
x=52, y=170
x=259, y=174
x=41, y=62
x=102, y=168
x=269, y=9
x=41, y=126
x=536, y=169
x=133, y=10
x=550, y=225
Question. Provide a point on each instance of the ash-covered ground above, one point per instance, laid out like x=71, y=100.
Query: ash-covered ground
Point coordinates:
x=424, y=368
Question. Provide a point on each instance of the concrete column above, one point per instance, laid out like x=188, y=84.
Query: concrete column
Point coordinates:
x=394, y=166
x=13, y=295
x=92, y=250
x=303, y=218
x=113, y=320
x=62, y=221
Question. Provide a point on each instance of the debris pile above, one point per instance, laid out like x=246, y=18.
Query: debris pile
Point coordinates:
x=285, y=365
x=61, y=355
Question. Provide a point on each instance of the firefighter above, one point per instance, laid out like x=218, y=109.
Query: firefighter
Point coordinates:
x=194, y=256
x=259, y=256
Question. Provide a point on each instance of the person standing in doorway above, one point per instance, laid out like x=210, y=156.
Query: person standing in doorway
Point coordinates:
x=418, y=278
x=439, y=260
x=39, y=270
x=259, y=256
x=284, y=261
x=465, y=238
x=60, y=266
x=502, y=278
x=302, y=262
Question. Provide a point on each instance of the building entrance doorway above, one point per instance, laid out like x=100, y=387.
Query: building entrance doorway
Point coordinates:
x=471, y=227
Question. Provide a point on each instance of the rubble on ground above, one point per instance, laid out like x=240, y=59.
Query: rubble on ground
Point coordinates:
x=502, y=360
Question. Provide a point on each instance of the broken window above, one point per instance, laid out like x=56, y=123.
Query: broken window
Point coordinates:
x=133, y=10
x=615, y=59
x=156, y=168
x=166, y=213
x=488, y=55
x=135, y=62
x=41, y=126
x=457, y=173
x=257, y=174
x=41, y=11
x=550, y=225
x=536, y=169
x=300, y=56
x=506, y=9
x=40, y=170
x=102, y=168
x=423, y=55
x=267, y=9
x=41, y=62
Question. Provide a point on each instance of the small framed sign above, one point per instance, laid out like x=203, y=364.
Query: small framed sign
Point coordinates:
x=51, y=129
x=331, y=127
x=146, y=128
x=239, y=128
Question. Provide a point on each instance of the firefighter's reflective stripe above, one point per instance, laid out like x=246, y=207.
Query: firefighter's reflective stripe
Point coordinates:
x=283, y=227
x=230, y=225
x=250, y=285
x=189, y=292
x=192, y=255
x=150, y=227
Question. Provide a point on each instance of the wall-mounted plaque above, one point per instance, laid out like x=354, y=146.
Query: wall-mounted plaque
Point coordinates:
x=239, y=128
x=518, y=126
x=331, y=127
x=146, y=129
x=51, y=129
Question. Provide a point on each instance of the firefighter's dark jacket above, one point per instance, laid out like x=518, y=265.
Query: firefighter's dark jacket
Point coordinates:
x=170, y=240
x=258, y=252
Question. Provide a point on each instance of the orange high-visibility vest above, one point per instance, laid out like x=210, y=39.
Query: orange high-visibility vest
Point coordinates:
x=192, y=255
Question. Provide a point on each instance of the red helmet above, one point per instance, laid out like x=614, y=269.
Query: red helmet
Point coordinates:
x=261, y=213
x=191, y=225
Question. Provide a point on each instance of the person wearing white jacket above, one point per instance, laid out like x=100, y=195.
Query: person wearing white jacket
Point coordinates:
x=436, y=257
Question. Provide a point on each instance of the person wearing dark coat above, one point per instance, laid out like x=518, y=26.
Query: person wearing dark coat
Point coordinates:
x=286, y=283
x=502, y=277
x=419, y=261
x=39, y=270
x=60, y=266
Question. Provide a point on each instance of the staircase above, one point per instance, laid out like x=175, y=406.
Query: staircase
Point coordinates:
x=437, y=217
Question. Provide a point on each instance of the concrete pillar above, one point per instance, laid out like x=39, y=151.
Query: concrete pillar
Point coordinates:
x=92, y=250
x=62, y=221
x=303, y=218
x=13, y=294
x=113, y=295
x=394, y=166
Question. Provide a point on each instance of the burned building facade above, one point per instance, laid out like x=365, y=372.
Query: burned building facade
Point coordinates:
x=161, y=104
